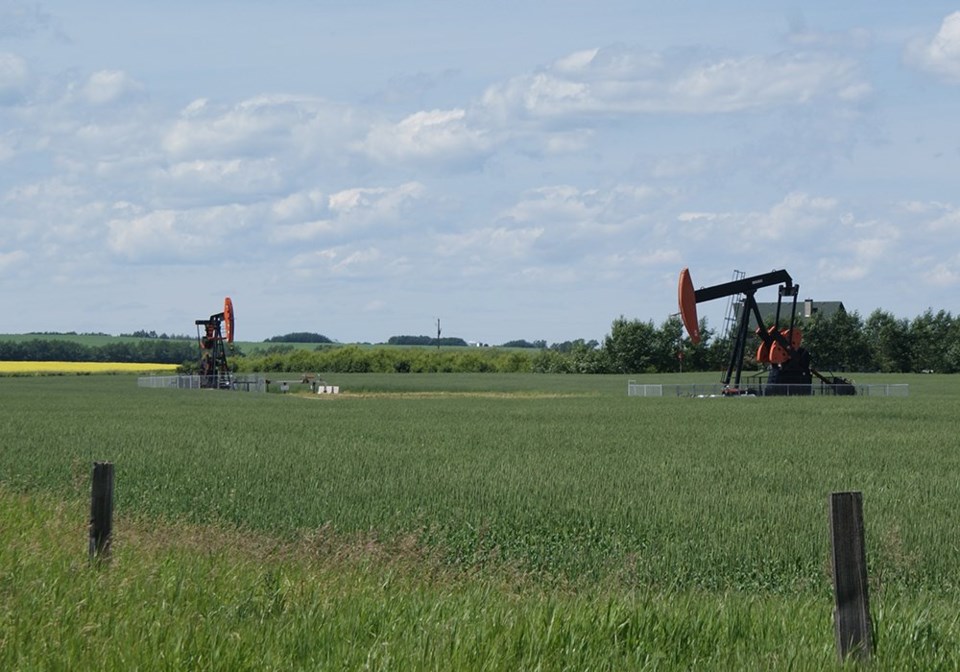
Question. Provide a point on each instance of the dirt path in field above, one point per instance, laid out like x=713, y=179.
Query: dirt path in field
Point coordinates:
x=444, y=395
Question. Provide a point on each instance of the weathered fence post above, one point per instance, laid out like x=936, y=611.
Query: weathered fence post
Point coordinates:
x=101, y=510
x=849, y=564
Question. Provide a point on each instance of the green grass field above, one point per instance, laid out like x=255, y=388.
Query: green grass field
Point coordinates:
x=486, y=521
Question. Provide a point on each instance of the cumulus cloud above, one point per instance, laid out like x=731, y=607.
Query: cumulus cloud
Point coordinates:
x=174, y=237
x=566, y=224
x=577, y=211
x=939, y=54
x=222, y=180
x=349, y=261
x=797, y=214
x=561, y=203
x=943, y=274
x=623, y=81
x=946, y=223
x=801, y=231
x=366, y=206
x=357, y=212
x=494, y=242
x=110, y=86
x=435, y=136
x=293, y=126
x=798, y=224
x=299, y=206
x=858, y=248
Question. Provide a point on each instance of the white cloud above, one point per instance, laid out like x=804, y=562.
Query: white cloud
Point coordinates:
x=556, y=204
x=799, y=223
x=636, y=259
x=179, y=236
x=225, y=179
x=109, y=86
x=621, y=81
x=300, y=206
x=366, y=205
x=947, y=223
x=940, y=54
x=594, y=210
x=920, y=207
x=841, y=270
x=294, y=126
x=491, y=242
x=944, y=275
x=435, y=136
x=355, y=212
x=348, y=261
x=798, y=214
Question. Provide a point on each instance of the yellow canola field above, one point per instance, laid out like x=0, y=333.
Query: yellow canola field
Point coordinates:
x=81, y=367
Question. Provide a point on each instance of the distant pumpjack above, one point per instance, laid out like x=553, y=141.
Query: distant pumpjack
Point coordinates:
x=214, y=369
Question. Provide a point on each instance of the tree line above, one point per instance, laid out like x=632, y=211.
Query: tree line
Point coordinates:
x=838, y=342
x=427, y=340
x=148, y=351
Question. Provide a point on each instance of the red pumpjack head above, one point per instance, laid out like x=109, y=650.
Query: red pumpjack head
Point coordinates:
x=688, y=306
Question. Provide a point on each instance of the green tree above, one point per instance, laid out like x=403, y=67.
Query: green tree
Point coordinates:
x=930, y=341
x=551, y=361
x=587, y=357
x=838, y=342
x=889, y=342
x=299, y=337
x=707, y=355
x=631, y=346
x=668, y=345
x=523, y=343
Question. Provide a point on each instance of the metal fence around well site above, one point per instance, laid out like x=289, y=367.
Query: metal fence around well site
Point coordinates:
x=706, y=390
x=236, y=383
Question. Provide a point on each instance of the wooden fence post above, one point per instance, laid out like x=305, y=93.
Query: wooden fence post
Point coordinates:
x=849, y=564
x=101, y=510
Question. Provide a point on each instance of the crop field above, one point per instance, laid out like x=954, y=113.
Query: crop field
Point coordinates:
x=470, y=521
x=27, y=368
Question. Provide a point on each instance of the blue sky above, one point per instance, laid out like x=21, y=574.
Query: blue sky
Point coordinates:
x=517, y=169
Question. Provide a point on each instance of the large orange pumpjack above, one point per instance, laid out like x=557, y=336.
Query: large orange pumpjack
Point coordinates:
x=780, y=349
x=214, y=369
